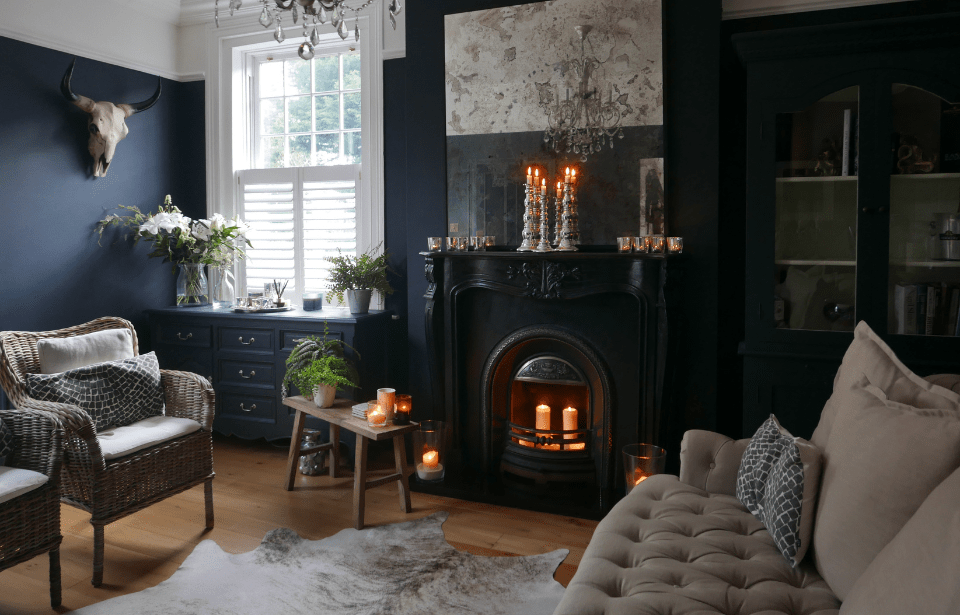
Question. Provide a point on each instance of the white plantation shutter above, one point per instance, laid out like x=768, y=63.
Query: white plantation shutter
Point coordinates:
x=298, y=217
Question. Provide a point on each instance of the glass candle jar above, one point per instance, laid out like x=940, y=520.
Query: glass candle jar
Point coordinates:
x=404, y=406
x=375, y=415
x=640, y=462
x=624, y=243
x=675, y=245
x=429, y=450
x=434, y=244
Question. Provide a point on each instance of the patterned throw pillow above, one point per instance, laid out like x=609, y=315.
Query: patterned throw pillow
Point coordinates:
x=770, y=483
x=6, y=443
x=114, y=393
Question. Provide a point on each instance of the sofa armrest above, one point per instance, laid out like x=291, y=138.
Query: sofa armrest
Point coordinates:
x=710, y=461
x=947, y=381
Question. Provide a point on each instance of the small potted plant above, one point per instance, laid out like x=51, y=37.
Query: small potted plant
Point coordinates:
x=319, y=365
x=358, y=277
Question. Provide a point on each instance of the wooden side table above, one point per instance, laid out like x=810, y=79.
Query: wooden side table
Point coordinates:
x=340, y=415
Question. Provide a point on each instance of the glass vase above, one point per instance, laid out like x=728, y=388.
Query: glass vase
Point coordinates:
x=192, y=286
x=224, y=287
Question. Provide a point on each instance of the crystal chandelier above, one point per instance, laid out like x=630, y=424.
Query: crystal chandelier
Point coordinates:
x=312, y=14
x=583, y=124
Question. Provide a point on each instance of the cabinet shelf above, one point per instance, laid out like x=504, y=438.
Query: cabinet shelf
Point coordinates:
x=925, y=263
x=822, y=180
x=812, y=263
x=925, y=176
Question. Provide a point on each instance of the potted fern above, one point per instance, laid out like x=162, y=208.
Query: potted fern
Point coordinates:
x=357, y=278
x=318, y=365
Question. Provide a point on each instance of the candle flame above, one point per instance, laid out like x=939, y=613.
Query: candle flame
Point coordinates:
x=536, y=172
x=431, y=459
x=528, y=170
x=567, y=172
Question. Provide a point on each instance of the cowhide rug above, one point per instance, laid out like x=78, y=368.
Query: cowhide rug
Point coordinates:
x=400, y=569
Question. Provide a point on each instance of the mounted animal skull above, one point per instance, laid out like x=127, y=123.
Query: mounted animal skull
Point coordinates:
x=106, y=124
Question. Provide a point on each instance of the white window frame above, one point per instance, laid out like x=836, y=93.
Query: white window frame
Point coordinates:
x=229, y=96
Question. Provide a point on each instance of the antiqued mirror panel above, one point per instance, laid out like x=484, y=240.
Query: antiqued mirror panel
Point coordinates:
x=555, y=85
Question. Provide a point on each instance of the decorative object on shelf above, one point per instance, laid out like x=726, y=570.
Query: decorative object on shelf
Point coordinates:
x=401, y=415
x=570, y=229
x=675, y=245
x=433, y=244
x=947, y=236
x=181, y=241
x=311, y=464
x=358, y=276
x=489, y=241
x=312, y=301
x=624, y=244
x=224, y=286
x=278, y=292
x=106, y=124
x=657, y=244
x=543, y=245
x=474, y=244
x=360, y=410
x=586, y=123
x=531, y=214
x=316, y=361
x=639, y=245
x=430, y=450
x=828, y=160
x=376, y=417
x=387, y=400
x=640, y=462
x=315, y=13
x=910, y=157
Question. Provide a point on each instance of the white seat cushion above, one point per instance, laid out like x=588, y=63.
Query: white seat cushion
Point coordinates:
x=120, y=441
x=17, y=481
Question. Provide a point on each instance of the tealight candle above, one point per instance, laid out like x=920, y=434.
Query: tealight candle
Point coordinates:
x=639, y=476
x=404, y=406
x=430, y=468
x=375, y=415
x=675, y=245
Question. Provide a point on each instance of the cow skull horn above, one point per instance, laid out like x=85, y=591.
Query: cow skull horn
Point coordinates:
x=106, y=123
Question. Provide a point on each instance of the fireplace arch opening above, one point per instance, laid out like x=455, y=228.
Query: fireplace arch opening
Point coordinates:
x=546, y=410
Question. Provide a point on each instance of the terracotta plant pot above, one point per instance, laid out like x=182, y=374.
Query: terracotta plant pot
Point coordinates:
x=324, y=395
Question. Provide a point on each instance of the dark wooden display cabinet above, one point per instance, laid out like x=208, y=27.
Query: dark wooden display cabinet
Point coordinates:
x=853, y=165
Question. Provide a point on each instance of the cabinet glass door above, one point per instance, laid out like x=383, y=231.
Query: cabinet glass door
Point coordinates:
x=924, y=279
x=816, y=215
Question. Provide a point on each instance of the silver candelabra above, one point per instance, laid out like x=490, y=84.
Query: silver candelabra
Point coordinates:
x=569, y=231
x=530, y=215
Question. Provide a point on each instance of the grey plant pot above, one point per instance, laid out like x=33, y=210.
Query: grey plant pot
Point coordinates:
x=359, y=300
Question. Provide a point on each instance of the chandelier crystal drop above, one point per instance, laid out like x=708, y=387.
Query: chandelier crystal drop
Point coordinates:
x=314, y=13
x=584, y=122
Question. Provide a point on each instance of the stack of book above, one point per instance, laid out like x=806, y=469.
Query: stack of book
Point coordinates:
x=927, y=309
x=360, y=410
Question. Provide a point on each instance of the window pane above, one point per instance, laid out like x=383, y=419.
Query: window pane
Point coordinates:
x=297, y=76
x=351, y=72
x=328, y=149
x=351, y=110
x=299, y=151
x=328, y=111
x=271, y=116
x=326, y=72
x=271, y=79
x=351, y=147
x=271, y=153
x=298, y=118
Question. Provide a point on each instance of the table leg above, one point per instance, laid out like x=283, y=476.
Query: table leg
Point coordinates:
x=400, y=457
x=359, y=482
x=293, y=461
x=334, y=450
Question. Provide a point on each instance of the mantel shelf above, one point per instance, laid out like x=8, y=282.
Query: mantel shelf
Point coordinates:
x=811, y=263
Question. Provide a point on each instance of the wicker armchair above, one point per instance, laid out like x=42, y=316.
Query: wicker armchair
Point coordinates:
x=30, y=523
x=112, y=489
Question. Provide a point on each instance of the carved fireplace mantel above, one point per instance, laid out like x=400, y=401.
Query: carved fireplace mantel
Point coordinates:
x=605, y=309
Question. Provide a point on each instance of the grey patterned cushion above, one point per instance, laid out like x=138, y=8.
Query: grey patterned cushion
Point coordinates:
x=6, y=442
x=770, y=483
x=114, y=393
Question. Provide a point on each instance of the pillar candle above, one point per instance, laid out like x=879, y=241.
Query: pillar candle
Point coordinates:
x=543, y=417
x=529, y=176
x=431, y=459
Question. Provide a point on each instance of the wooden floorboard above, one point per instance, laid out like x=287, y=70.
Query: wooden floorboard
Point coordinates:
x=249, y=500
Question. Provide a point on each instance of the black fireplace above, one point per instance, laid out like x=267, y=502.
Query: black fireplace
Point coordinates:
x=546, y=365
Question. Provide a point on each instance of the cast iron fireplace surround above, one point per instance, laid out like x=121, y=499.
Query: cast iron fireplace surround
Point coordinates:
x=507, y=331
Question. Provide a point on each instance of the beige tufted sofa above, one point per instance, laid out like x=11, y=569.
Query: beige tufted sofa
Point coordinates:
x=685, y=545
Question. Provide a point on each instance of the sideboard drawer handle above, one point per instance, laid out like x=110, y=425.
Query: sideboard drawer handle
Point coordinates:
x=183, y=339
x=252, y=339
x=252, y=374
x=250, y=409
x=297, y=340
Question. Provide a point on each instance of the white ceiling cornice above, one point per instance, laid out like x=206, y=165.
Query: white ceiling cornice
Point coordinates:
x=194, y=12
x=739, y=9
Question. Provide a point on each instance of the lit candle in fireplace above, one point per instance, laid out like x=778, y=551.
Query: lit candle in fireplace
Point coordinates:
x=543, y=417
x=570, y=424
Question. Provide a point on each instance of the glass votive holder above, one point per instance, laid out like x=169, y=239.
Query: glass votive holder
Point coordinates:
x=430, y=450
x=386, y=399
x=474, y=243
x=624, y=243
x=489, y=241
x=453, y=244
x=640, y=462
x=639, y=245
x=401, y=415
x=657, y=244
x=375, y=415
x=675, y=245
x=434, y=244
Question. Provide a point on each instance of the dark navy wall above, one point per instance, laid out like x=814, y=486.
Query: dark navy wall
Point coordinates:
x=395, y=210
x=52, y=272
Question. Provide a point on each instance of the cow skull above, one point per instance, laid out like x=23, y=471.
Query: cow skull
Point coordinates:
x=106, y=124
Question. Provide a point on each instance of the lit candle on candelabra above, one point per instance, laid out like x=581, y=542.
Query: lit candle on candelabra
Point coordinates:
x=430, y=468
x=529, y=175
x=559, y=190
x=543, y=187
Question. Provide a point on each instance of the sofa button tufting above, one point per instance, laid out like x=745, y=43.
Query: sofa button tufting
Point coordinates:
x=712, y=465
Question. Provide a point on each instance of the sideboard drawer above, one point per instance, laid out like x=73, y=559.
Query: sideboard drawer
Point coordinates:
x=181, y=334
x=246, y=340
x=289, y=339
x=248, y=407
x=247, y=373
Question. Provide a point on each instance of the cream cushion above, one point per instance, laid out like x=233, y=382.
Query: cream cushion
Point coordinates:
x=65, y=353
x=17, y=481
x=918, y=571
x=120, y=441
x=869, y=356
x=883, y=460
x=671, y=548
